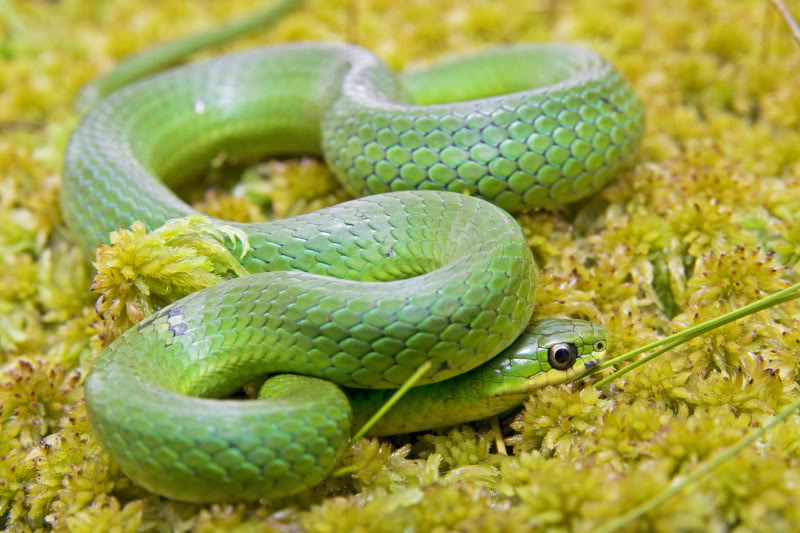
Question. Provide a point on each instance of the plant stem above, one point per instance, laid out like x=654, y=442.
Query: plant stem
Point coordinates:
x=787, y=16
x=410, y=382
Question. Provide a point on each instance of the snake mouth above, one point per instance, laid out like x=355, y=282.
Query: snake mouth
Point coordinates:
x=591, y=363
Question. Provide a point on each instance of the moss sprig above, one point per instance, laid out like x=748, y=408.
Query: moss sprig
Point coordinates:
x=107, y=514
x=139, y=272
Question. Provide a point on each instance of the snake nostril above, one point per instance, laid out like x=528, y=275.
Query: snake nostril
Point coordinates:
x=444, y=365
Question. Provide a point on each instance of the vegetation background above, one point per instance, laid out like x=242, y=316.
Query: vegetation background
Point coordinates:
x=707, y=220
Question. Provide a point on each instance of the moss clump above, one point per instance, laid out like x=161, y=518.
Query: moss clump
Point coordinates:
x=140, y=272
x=705, y=221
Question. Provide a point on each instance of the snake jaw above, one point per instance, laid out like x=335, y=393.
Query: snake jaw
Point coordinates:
x=591, y=362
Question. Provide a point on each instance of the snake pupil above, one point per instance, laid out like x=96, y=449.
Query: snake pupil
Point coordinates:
x=562, y=356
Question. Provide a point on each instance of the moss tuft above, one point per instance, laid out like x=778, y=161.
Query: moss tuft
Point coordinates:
x=140, y=272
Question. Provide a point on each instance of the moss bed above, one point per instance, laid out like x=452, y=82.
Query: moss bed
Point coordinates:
x=706, y=220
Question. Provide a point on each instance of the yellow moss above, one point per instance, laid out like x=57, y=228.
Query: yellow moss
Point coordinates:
x=12, y=485
x=663, y=380
x=57, y=466
x=140, y=272
x=235, y=519
x=107, y=515
x=762, y=394
x=688, y=511
x=460, y=447
x=298, y=187
x=721, y=283
x=376, y=465
x=63, y=279
x=73, y=341
x=556, y=419
x=783, y=348
x=229, y=207
x=33, y=397
x=733, y=485
x=626, y=427
x=21, y=328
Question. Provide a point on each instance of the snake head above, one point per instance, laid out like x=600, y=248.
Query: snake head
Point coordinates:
x=550, y=352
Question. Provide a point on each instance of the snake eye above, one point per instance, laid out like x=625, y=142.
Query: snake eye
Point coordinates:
x=599, y=346
x=562, y=356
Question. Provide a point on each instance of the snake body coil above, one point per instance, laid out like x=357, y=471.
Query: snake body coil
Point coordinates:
x=360, y=294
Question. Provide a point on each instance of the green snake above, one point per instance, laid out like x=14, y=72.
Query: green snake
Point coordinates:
x=428, y=265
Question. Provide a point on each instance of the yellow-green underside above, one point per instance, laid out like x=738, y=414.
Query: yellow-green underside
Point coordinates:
x=678, y=236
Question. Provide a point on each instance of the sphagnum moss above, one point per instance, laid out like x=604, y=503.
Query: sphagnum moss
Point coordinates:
x=706, y=221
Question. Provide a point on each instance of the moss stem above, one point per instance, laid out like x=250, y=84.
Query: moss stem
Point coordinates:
x=498, y=435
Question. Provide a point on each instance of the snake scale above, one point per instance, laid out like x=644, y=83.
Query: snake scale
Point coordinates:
x=428, y=265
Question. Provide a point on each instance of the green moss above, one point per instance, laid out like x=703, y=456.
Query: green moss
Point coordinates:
x=704, y=221
x=140, y=272
x=107, y=515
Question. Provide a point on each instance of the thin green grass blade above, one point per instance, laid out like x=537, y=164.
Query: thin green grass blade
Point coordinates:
x=410, y=382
